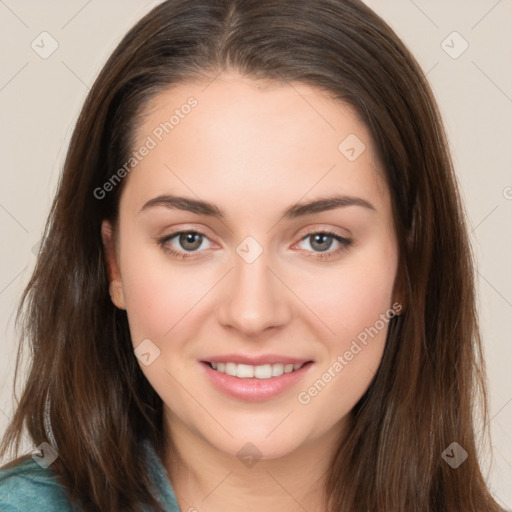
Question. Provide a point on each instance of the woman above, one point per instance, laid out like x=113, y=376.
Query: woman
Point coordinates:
x=316, y=346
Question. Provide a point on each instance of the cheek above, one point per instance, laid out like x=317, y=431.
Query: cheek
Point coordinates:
x=352, y=296
x=158, y=295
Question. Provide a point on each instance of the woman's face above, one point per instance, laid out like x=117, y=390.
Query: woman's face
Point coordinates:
x=249, y=281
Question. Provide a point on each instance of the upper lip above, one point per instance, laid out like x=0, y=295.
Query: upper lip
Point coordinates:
x=255, y=360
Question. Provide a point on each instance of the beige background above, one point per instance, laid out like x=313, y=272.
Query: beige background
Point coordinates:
x=40, y=100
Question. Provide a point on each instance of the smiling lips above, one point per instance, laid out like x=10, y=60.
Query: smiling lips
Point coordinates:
x=248, y=371
x=263, y=380
x=264, y=366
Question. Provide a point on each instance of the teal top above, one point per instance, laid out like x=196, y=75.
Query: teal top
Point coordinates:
x=27, y=486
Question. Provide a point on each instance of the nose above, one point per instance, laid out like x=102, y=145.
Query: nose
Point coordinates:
x=254, y=298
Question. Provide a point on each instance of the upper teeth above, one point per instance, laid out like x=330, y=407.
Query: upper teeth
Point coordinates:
x=248, y=371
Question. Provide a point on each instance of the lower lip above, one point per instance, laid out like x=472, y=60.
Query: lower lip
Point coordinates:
x=255, y=389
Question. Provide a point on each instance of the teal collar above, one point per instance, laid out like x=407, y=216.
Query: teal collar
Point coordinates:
x=163, y=488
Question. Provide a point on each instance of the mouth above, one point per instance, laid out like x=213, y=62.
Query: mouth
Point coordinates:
x=260, y=382
x=248, y=371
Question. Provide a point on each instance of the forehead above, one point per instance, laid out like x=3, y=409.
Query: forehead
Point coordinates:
x=238, y=138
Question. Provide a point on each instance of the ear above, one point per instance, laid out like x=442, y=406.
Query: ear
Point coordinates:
x=399, y=305
x=400, y=293
x=114, y=275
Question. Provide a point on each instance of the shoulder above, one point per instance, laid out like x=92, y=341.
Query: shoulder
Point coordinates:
x=27, y=486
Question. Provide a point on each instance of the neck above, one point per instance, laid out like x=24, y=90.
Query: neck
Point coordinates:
x=206, y=479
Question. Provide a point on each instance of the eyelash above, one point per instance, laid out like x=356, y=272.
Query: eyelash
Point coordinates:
x=324, y=256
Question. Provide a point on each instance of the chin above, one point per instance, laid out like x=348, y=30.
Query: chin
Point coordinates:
x=251, y=448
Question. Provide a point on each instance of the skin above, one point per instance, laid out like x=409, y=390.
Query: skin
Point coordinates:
x=253, y=149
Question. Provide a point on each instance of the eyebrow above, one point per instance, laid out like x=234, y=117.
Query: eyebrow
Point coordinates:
x=294, y=211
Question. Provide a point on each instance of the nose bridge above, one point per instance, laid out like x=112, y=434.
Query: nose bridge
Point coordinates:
x=255, y=299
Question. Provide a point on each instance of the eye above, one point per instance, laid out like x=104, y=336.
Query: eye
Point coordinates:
x=321, y=241
x=182, y=242
x=187, y=244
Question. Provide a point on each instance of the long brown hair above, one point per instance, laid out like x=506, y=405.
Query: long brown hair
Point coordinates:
x=87, y=381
